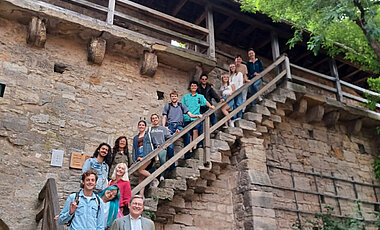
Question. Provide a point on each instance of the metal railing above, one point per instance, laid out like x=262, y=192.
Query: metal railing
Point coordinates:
x=49, y=197
x=207, y=128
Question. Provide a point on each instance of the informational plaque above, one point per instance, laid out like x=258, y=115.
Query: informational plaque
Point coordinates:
x=57, y=157
x=77, y=160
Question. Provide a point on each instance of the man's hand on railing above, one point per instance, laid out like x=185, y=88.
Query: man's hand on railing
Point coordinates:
x=139, y=158
x=212, y=107
x=200, y=116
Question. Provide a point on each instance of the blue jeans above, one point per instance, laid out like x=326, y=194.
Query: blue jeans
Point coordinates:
x=238, y=100
x=253, y=89
x=170, y=149
x=162, y=159
x=198, y=127
x=212, y=116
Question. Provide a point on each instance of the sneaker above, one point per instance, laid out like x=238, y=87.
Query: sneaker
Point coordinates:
x=260, y=99
x=231, y=123
x=155, y=183
x=162, y=178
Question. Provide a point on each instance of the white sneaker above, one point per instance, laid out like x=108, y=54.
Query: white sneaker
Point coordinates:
x=155, y=183
x=162, y=178
x=231, y=123
x=260, y=99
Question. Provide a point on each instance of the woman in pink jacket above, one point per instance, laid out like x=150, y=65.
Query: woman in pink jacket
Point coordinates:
x=120, y=178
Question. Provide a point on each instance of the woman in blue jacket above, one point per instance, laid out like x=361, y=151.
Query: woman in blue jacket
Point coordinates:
x=142, y=146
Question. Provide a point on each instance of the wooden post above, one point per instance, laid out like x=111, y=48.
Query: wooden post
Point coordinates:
x=287, y=67
x=96, y=50
x=275, y=49
x=149, y=64
x=207, y=141
x=211, y=35
x=36, y=32
x=111, y=11
x=334, y=73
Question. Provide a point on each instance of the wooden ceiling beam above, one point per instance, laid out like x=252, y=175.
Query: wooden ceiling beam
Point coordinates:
x=341, y=65
x=200, y=18
x=319, y=62
x=308, y=52
x=247, y=31
x=350, y=74
x=224, y=25
x=178, y=7
x=360, y=80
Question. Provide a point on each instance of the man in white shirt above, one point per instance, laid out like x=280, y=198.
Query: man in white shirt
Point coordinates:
x=134, y=221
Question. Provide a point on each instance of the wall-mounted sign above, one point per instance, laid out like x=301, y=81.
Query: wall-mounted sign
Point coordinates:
x=77, y=160
x=57, y=157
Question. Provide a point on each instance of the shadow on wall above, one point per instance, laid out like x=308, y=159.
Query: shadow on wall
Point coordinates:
x=3, y=226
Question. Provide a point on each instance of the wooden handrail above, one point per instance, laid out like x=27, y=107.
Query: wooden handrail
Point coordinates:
x=48, y=196
x=208, y=130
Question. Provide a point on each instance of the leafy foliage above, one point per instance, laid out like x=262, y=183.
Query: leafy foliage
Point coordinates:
x=376, y=167
x=350, y=27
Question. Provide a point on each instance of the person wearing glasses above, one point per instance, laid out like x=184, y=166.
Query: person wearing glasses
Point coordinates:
x=134, y=220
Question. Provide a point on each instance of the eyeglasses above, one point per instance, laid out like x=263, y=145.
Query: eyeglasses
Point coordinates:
x=137, y=204
x=204, y=79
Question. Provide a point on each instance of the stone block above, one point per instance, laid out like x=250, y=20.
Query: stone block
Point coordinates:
x=253, y=116
x=189, y=163
x=264, y=223
x=174, y=184
x=251, y=141
x=269, y=104
x=185, y=173
x=150, y=204
x=96, y=50
x=40, y=118
x=208, y=175
x=219, y=145
x=262, y=129
x=216, y=157
x=268, y=123
x=263, y=212
x=177, y=202
x=149, y=64
x=254, y=176
x=37, y=32
x=230, y=139
x=161, y=193
x=245, y=125
x=275, y=118
x=260, y=109
x=258, y=199
x=238, y=132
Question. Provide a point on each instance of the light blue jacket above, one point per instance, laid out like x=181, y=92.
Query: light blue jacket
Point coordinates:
x=100, y=168
x=87, y=216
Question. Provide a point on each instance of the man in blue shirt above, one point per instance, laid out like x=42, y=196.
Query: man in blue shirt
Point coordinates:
x=84, y=210
x=194, y=101
x=98, y=163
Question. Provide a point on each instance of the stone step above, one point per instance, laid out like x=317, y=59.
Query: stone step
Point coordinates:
x=185, y=173
x=189, y=163
x=176, y=184
x=245, y=124
x=238, y=132
x=250, y=116
x=160, y=193
x=229, y=138
x=150, y=204
x=259, y=109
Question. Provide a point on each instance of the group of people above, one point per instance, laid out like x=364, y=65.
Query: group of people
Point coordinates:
x=104, y=200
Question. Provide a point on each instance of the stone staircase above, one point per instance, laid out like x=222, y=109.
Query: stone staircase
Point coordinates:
x=189, y=177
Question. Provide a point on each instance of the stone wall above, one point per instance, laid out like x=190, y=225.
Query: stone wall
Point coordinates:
x=326, y=150
x=74, y=111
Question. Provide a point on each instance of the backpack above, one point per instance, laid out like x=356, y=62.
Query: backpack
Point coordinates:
x=77, y=195
x=170, y=105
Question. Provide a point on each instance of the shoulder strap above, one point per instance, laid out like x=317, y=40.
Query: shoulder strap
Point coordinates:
x=97, y=199
x=71, y=220
x=167, y=113
x=150, y=138
x=181, y=106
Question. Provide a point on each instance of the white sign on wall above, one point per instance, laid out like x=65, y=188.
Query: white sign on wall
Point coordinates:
x=57, y=157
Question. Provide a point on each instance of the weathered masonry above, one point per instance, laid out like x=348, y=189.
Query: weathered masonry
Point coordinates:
x=78, y=73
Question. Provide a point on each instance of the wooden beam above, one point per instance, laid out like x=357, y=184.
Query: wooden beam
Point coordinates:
x=200, y=18
x=299, y=109
x=335, y=73
x=341, y=65
x=36, y=35
x=275, y=46
x=111, y=11
x=247, y=31
x=262, y=44
x=224, y=25
x=355, y=126
x=360, y=80
x=211, y=35
x=178, y=7
x=319, y=62
x=351, y=74
x=149, y=64
x=162, y=16
x=301, y=56
x=96, y=50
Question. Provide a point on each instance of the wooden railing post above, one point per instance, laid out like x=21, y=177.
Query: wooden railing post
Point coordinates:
x=275, y=49
x=334, y=73
x=207, y=141
x=287, y=67
x=111, y=11
x=211, y=35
